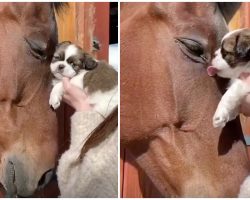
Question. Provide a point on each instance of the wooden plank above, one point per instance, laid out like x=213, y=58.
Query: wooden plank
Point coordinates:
x=131, y=186
x=136, y=183
x=122, y=158
x=101, y=31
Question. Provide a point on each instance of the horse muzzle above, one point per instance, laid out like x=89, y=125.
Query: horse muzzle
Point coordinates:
x=21, y=181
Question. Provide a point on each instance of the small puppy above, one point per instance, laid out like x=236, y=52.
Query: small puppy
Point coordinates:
x=97, y=78
x=231, y=60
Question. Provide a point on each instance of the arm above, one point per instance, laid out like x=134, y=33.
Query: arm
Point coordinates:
x=83, y=122
x=85, y=118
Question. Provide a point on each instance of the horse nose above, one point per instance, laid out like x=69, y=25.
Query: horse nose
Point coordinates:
x=21, y=180
x=45, y=179
x=61, y=67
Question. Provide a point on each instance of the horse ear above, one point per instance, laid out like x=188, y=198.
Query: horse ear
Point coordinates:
x=243, y=46
x=228, y=9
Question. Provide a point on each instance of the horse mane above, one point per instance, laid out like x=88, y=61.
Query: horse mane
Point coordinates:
x=59, y=6
x=106, y=127
x=228, y=9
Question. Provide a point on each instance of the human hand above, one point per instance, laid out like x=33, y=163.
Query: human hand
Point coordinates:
x=75, y=97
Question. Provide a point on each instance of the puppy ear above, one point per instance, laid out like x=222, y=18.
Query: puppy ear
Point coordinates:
x=90, y=63
x=63, y=43
x=243, y=47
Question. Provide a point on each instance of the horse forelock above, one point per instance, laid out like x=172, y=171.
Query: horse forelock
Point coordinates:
x=59, y=6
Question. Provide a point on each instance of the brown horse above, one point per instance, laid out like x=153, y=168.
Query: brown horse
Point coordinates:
x=167, y=99
x=28, y=127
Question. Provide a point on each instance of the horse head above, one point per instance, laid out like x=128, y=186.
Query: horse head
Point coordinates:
x=28, y=127
x=167, y=99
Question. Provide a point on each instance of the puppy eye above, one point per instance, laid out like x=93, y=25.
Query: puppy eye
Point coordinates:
x=192, y=49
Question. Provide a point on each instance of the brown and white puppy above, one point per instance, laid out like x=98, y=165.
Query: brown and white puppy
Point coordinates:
x=230, y=61
x=97, y=78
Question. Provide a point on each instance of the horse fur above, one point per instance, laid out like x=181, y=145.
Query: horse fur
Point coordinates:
x=167, y=101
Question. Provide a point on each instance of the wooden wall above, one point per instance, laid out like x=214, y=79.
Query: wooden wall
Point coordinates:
x=130, y=184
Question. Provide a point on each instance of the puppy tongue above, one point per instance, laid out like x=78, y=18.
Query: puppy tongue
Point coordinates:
x=211, y=71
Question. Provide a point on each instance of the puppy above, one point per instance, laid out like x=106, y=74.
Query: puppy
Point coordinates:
x=96, y=78
x=231, y=60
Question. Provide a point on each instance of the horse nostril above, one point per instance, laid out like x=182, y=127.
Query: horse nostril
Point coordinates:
x=60, y=67
x=45, y=179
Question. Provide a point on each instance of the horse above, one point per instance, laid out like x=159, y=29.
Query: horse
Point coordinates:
x=28, y=126
x=168, y=100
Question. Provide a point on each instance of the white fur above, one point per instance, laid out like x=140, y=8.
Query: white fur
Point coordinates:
x=102, y=102
x=225, y=70
x=56, y=95
x=245, y=188
x=228, y=107
x=67, y=71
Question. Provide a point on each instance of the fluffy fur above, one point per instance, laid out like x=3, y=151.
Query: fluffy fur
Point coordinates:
x=98, y=79
x=97, y=174
x=230, y=61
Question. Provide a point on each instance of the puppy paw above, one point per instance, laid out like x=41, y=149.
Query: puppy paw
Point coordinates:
x=54, y=101
x=221, y=117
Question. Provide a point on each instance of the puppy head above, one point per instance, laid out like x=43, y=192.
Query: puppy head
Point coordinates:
x=69, y=59
x=232, y=58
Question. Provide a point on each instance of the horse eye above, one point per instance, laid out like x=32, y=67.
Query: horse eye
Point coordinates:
x=192, y=49
x=56, y=57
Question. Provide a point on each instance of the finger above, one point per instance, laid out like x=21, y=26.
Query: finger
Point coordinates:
x=66, y=84
x=66, y=100
x=66, y=97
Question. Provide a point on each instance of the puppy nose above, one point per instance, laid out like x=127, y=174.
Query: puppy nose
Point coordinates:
x=60, y=67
